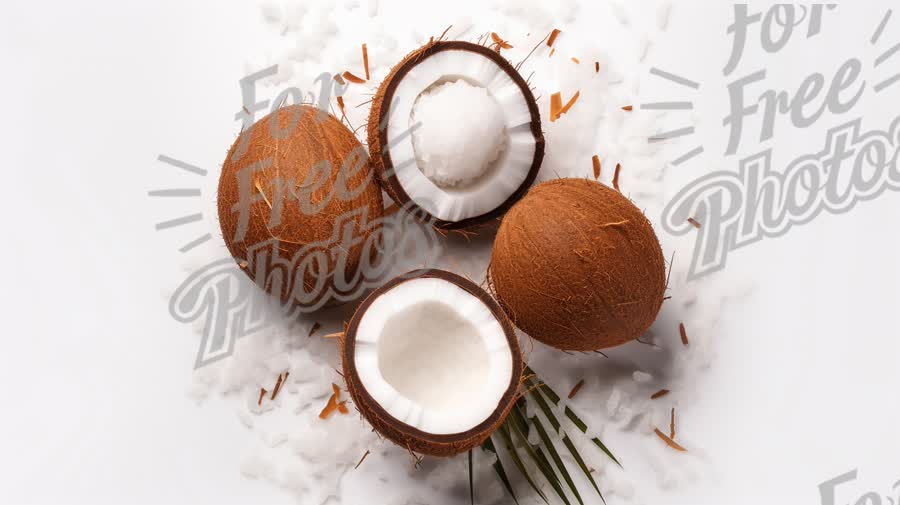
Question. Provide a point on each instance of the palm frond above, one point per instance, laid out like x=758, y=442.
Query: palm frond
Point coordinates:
x=471, y=480
x=517, y=460
x=537, y=455
x=488, y=445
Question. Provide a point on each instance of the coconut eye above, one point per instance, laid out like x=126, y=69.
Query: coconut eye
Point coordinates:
x=432, y=362
x=455, y=130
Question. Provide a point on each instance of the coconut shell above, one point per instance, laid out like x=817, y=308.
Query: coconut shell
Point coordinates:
x=578, y=267
x=402, y=434
x=379, y=121
x=287, y=144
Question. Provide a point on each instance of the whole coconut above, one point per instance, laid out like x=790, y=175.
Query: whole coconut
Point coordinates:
x=290, y=188
x=577, y=266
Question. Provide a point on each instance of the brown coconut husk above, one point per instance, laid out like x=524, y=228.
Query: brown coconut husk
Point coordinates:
x=379, y=121
x=404, y=435
x=578, y=267
x=315, y=137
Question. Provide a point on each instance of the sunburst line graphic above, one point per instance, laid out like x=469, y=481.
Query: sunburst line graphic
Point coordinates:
x=674, y=134
x=196, y=242
x=182, y=193
x=677, y=79
x=881, y=26
x=885, y=56
x=675, y=106
x=179, y=221
x=182, y=165
x=693, y=153
x=880, y=60
x=668, y=106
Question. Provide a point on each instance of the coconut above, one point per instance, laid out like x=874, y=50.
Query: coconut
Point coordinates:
x=455, y=131
x=432, y=362
x=578, y=267
x=299, y=207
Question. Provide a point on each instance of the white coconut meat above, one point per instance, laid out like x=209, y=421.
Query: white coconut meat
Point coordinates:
x=471, y=144
x=433, y=356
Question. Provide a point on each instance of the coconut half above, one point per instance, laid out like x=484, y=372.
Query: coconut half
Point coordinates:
x=455, y=130
x=432, y=362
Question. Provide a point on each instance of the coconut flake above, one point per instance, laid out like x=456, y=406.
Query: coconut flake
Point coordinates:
x=642, y=377
x=462, y=133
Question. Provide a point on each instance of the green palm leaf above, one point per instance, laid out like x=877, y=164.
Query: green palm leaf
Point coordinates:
x=541, y=460
x=578, y=459
x=583, y=427
x=551, y=448
x=488, y=445
x=517, y=460
x=471, y=480
x=551, y=417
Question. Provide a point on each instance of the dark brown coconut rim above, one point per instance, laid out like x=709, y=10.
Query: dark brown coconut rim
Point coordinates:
x=401, y=433
x=379, y=120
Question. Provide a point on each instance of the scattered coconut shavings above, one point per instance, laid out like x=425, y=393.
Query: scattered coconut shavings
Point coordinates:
x=245, y=418
x=628, y=108
x=576, y=60
x=263, y=193
x=364, y=456
x=329, y=409
x=262, y=394
x=333, y=403
x=340, y=102
x=555, y=106
x=570, y=103
x=555, y=33
x=596, y=161
x=671, y=443
x=352, y=78
x=315, y=327
x=684, y=337
x=639, y=376
x=672, y=425
x=576, y=389
x=533, y=49
x=659, y=394
x=620, y=13
x=616, y=177
x=365, y=53
x=500, y=43
x=694, y=222
x=277, y=386
x=663, y=14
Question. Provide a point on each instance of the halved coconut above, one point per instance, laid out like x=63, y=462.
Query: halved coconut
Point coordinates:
x=455, y=130
x=432, y=362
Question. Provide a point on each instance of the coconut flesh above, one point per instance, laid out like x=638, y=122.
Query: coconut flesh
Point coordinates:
x=455, y=130
x=432, y=362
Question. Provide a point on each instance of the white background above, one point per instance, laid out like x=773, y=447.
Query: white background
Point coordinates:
x=94, y=371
